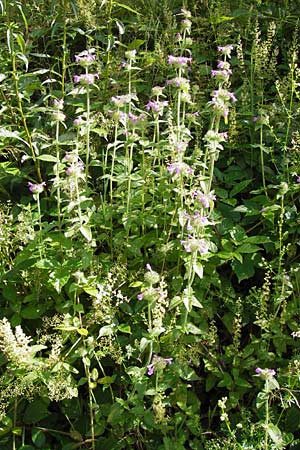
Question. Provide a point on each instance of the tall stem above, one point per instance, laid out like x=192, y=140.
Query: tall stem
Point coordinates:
x=88, y=129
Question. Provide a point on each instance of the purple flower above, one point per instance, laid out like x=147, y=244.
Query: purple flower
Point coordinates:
x=221, y=75
x=150, y=368
x=135, y=120
x=182, y=83
x=58, y=104
x=193, y=245
x=158, y=363
x=178, y=168
x=75, y=169
x=140, y=296
x=223, y=65
x=156, y=106
x=130, y=54
x=205, y=199
x=181, y=146
x=186, y=13
x=179, y=61
x=265, y=373
x=86, y=58
x=36, y=188
x=221, y=100
x=226, y=50
x=121, y=100
x=86, y=78
x=78, y=121
x=186, y=24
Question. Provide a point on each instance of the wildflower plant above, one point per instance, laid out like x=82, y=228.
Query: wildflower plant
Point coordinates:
x=149, y=197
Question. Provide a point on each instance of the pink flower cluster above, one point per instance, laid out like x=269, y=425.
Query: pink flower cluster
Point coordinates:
x=158, y=363
x=179, y=61
x=86, y=78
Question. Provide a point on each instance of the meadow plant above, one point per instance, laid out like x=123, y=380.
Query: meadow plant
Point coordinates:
x=149, y=188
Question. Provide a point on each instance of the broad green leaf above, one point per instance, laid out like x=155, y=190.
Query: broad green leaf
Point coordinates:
x=187, y=373
x=135, y=44
x=198, y=269
x=82, y=331
x=192, y=329
x=36, y=411
x=226, y=380
x=248, y=248
x=116, y=414
x=243, y=270
x=240, y=187
x=38, y=437
x=124, y=328
x=275, y=434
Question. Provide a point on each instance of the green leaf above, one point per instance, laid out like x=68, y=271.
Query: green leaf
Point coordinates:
x=126, y=7
x=48, y=158
x=82, y=331
x=124, y=328
x=258, y=239
x=226, y=381
x=191, y=328
x=85, y=230
x=33, y=311
x=261, y=399
x=241, y=382
x=11, y=134
x=38, y=437
x=187, y=373
x=275, y=434
x=248, y=248
x=198, y=269
x=36, y=411
x=116, y=415
x=135, y=44
x=240, y=187
x=245, y=269
x=26, y=447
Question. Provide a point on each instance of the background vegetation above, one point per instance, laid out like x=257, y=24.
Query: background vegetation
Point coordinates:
x=149, y=227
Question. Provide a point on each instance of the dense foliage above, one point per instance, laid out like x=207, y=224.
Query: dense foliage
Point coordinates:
x=149, y=248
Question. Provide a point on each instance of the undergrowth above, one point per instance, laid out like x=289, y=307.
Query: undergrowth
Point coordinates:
x=149, y=187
